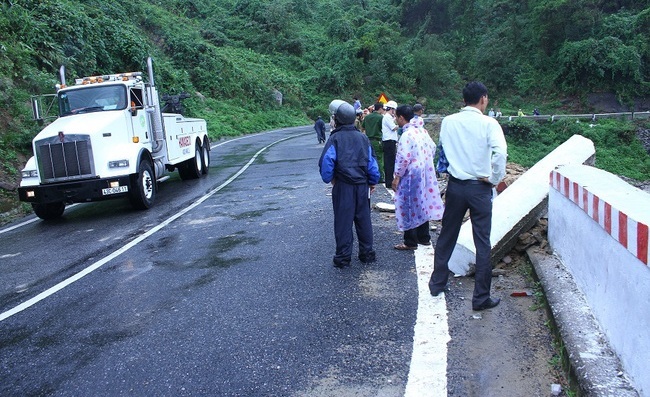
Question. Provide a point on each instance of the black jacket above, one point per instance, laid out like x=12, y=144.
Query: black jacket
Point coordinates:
x=347, y=157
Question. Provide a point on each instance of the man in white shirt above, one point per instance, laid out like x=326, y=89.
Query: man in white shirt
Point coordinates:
x=389, y=142
x=476, y=150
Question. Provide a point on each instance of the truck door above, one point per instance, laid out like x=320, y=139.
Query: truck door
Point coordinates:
x=139, y=116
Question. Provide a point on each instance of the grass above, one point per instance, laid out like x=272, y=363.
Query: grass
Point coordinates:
x=617, y=149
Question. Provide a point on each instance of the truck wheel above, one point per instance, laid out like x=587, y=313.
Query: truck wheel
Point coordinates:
x=143, y=187
x=49, y=210
x=192, y=168
x=205, y=150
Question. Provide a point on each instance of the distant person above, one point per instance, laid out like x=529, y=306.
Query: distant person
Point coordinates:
x=319, y=126
x=372, y=127
x=536, y=112
x=476, y=151
x=348, y=164
x=389, y=142
x=417, y=119
x=498, y=114
x=491, y=113
x=359, y=119
x=417, y=196
x=357, y=104
x=520, y=113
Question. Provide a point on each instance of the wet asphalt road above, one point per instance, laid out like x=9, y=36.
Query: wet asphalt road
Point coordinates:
x=236, y=297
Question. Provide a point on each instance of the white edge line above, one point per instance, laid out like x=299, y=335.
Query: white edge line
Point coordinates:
x=428, y=369
x=52, y=290
x=27, y=222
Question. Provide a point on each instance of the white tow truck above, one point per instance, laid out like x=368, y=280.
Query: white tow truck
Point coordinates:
x=110, y=140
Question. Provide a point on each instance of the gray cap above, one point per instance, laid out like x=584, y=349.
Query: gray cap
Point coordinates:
x=334, y=106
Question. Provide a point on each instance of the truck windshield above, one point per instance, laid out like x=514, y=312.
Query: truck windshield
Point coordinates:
x=92, y=99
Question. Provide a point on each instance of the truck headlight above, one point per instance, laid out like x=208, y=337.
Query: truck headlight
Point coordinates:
x=118, y=163
x=30, y=173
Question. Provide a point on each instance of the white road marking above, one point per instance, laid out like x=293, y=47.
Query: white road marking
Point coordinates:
x=27, y=222
x=45, y=294
x=258, y=134
x=428, y=371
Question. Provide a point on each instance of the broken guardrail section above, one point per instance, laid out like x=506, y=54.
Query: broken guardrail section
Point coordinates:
x=519, y=206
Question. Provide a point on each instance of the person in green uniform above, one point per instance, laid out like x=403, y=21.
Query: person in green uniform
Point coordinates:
x=372, y=127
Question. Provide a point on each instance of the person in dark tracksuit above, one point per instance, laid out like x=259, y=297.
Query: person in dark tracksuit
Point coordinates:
x=319, y=126
x=347, y=163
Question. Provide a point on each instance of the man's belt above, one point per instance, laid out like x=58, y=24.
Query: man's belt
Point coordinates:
x=467, y=181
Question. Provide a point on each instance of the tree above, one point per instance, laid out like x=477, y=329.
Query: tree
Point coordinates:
x=599, y=64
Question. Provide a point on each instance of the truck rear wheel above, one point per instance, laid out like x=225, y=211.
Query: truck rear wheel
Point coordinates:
x=192, y=168
x=143, y=186
x=49, y=210
x=205, y=150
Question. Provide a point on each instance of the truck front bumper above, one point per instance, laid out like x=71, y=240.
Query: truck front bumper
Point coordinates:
x=76, y=191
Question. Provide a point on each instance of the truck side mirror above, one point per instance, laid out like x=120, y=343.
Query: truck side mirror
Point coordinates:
x=36, y=110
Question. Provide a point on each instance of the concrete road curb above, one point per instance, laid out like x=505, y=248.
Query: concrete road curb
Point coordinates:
x=597, y=369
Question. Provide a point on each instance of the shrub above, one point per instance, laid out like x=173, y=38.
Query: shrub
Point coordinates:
x=521, y=130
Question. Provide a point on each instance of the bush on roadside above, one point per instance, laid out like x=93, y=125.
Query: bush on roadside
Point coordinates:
x=521, y=130
x=617, y=149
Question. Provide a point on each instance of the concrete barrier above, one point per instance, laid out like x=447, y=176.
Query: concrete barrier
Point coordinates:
x=519, y=206
x=621, y=115
x=539, y=117
x=598, y=226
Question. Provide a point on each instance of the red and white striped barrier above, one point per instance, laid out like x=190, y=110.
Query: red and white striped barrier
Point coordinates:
x=630, y=233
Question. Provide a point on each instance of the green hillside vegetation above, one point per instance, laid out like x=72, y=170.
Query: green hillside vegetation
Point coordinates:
x=232, y=56
x=617, y=149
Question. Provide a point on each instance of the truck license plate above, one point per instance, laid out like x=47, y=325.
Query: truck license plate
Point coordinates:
x=115, y=190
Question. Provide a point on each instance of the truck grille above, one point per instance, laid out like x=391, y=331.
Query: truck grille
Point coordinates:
x=70, y=159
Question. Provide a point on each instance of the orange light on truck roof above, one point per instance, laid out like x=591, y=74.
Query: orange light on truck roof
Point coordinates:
x=109, y=77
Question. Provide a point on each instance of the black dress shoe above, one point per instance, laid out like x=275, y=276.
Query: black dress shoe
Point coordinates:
x=369, y=257
x=341, y=264
x=489, y=304
x=436, y=292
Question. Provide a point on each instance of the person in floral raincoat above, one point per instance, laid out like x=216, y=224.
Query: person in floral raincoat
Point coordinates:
x=417, y=196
